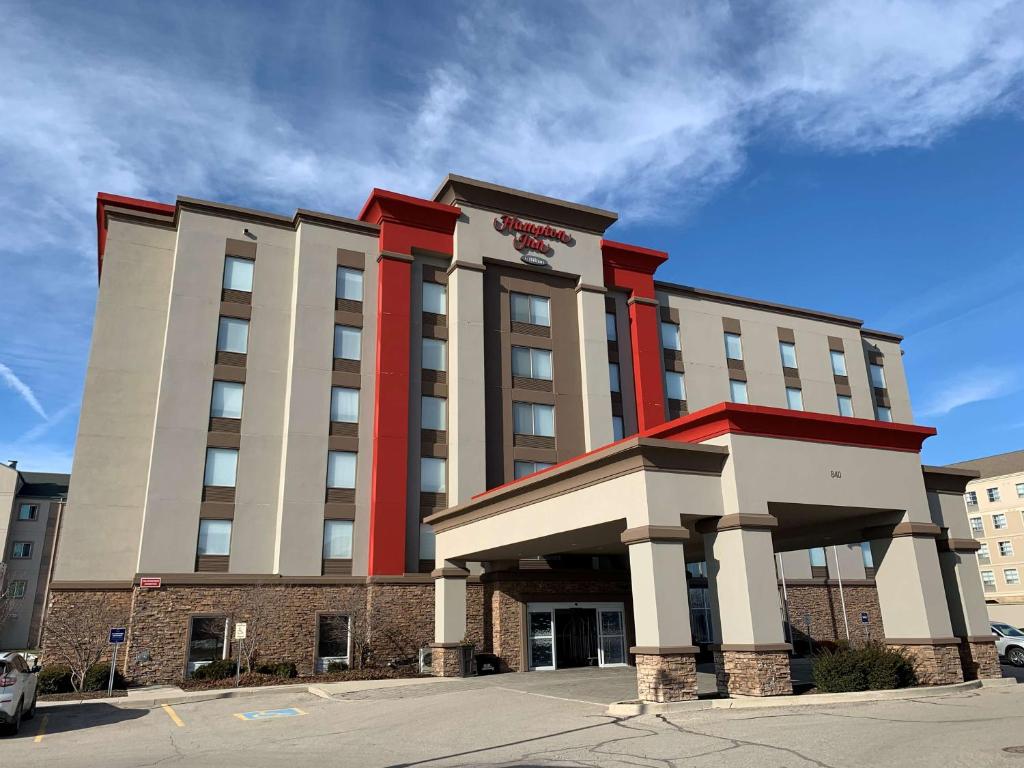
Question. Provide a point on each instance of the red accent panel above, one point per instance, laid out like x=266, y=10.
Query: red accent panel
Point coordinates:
x=406, y=224
x=105, y=198
x=632, y=268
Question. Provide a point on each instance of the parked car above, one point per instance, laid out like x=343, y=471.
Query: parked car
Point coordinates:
x=17, y=691
x=1009, y=642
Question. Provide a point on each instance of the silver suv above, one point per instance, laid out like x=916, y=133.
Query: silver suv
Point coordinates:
x=1009, y=642
x=17, y=691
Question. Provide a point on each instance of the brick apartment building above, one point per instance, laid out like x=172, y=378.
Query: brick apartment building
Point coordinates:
x=477, y=421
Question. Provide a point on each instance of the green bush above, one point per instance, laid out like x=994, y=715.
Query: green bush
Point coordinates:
x=98, y=676
x=337, y=666
x=215, y=670
x=284, y=669
x=869, y=668
x=54, y=679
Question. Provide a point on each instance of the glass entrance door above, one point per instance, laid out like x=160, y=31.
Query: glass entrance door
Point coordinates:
x=541, y=638
x=612, y=637
x=548, y=624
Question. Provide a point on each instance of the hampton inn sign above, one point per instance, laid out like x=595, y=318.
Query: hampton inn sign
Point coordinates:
x=531, y=237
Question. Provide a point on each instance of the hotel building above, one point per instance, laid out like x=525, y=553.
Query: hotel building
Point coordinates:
x=476, y=422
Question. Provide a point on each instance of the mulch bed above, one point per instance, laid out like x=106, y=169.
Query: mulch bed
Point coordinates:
x=84, y=696
x=255, y=679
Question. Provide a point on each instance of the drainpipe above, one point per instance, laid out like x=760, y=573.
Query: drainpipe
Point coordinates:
x=785, y=601
x=842, y=597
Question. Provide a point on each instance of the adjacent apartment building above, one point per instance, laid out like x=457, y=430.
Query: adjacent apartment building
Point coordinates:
x=995, y=512
x=31, y=505
x=319, y=412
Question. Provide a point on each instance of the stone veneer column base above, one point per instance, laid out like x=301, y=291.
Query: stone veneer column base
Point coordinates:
x=446, y=660
x=753, y=673
x=934, y=664
x=979, y=659
x=666, y=677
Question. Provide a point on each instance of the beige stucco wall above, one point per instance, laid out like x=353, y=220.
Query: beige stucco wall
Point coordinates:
x=103, y=520
x=15, y=633
x=9, y=482
x=1012, y=506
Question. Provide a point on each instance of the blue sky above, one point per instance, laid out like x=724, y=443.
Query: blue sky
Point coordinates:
x=861, y=158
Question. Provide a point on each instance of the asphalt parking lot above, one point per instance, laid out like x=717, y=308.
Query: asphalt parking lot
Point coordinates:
x=534, y=719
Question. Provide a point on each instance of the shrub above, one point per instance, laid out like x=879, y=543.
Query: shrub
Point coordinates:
x=54, y=679
x=337, y=666
x=284, y=669
x=98, y=676
x=215, y=670
x=870, y=668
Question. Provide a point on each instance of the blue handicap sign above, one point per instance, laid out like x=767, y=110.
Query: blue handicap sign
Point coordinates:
x=864, y=618
x=269, y=714
x=117, y=634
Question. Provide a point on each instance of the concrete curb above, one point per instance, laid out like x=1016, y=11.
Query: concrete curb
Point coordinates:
x=633, y=708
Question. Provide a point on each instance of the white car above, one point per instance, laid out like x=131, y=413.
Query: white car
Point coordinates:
x=1009, y=642
x=17, y=691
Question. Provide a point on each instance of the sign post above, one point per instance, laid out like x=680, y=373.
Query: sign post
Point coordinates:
x=867, y=626
x=239, y=636
x=810, y=642
x=116, y=637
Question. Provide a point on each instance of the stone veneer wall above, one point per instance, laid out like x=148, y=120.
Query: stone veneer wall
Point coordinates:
x=979, y=660
x=934, y=664
x=666, y=677
x=823, y=604
x=77, y=610
x=753, y=673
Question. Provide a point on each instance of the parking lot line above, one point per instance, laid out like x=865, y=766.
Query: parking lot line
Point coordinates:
x=42, y=729
x=173, y=715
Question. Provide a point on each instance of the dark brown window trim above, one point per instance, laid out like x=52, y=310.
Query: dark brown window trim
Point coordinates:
x=347, y=307
x=216, y=510
x=432, y=436
x=347, y=443
x=669, y=315
x=434, y=388
x=432, y=274
x=532, y=396
x=530, y=329
x=425, y=566
x=434, y=450
x=819, y=571
x=351, y=259
x=223, y=424
x=533, y=342
x=674, y=363
x=787, y=335
x=336, y=566
x=609, y=305
x=351, y=319
x=536, y=385
x=546, y=455
x=340, y=496
x=431, y=501
x=344, y=429
x=843, y=389
x=792, y=382
x=237, y=311
x=533, y=441
x=616, y=403
x=218, y=493
x=676, y=408
x=734, y=365
x=234, y=359
x=339, y=511
x=432, y=331
x=212, y=563
x=613, y=351
x=835, y=344
x=231, y=296
x=223, y=439
x=882, y=397
x=240, y=249
x=347, y=366
x=731, y=325
x=434, y=377
x=349, y=379
x=841, y=381
x=793, y=373
x=875, y=357
x=737, y=375
x=434, y=319
x=231, y=373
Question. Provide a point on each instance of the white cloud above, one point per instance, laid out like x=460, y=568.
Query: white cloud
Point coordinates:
x=973, y=386
x=23, y=390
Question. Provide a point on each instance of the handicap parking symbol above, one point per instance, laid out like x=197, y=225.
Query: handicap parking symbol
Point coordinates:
x=269, y=714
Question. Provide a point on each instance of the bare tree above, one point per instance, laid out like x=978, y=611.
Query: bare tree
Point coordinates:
x=256, y=607
x=7, y=611
x=78, y=635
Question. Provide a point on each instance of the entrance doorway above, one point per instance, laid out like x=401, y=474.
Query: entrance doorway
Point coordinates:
x=565, y=635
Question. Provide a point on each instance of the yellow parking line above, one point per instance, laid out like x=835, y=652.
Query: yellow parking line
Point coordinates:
x=173, y=715
x=42, y=729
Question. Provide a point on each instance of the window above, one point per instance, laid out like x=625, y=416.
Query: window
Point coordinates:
x=983, y=554
x=347, y=342
x=238, y=274
x=999, y=521
x=1020, y=490
x=531, y=363
x=610, y=331
x=337, y=539
x=884, y=414
x=221, y=466
x=207, y=641
x=1005, y=549
x=794, y=399
x=435, y=354
x=427, y=543
x=838, y=362
x=788, y=352
x=733, y=346
x=531, y=309
x=971, y=497
x=738, y=391
x=226, y=402
x=349, y=284
x=877, y=376
x=1011, y=575
x=435, y=298
x=524, y=468
x=613, y=377
x=618, y=428
x=214, y=537
x=233, y=335
x=675, y=386
x=432, y=475
x=28, y=511
x=845, y=403
x=21, y=550
x=865, y=554
x=670, y=337
x=17, y=589
x=533, y=419
x=341, y=469
x=345, y=405
x=332, y=639
x=976, y=525
x=988, y=579
x=817, y=556
x=433, y=413
x=992, y=493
